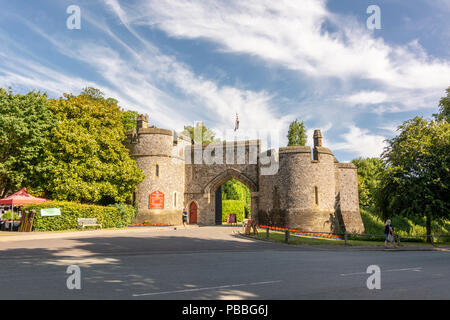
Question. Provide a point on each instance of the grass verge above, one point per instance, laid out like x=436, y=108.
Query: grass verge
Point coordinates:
x=303, y=240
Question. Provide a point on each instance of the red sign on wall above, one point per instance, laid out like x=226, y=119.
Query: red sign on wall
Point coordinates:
x=156, y=200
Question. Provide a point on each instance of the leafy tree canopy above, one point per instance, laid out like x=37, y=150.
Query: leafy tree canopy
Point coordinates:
x=200, y=134
x=88, y=161
x=235, y=190
x=94, y=93
x=129, y=117
x=444, y=108
x=417, y=178
x=297, y=134
x=369, y=176
x=25, y=124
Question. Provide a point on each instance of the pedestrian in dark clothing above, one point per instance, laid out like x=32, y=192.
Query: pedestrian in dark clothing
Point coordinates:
x=185, y=217
x=389, y=234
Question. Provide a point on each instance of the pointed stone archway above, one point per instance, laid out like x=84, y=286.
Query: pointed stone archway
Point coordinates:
x=228, y=174
x=215, y=184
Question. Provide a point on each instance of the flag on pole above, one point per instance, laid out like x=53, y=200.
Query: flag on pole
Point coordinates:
x=236, y=126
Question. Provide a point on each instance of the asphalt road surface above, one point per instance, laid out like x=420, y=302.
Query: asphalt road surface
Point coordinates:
x=211, y=263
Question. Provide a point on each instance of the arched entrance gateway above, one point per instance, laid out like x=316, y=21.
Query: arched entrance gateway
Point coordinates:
x=208, y=201
x=214, y=189
x=204, y=180
x=291, y=186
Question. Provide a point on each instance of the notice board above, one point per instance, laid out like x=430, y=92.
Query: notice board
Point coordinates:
x=156, y=200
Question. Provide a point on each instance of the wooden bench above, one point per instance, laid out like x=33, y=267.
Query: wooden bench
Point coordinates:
x=88, y=222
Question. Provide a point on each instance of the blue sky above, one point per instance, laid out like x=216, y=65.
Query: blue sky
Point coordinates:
x=270, y=61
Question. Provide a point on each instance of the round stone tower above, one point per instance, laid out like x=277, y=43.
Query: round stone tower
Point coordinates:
x=160, y=154
x=302, y=194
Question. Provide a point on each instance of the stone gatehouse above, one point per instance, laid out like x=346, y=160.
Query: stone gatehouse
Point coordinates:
x=293, y=187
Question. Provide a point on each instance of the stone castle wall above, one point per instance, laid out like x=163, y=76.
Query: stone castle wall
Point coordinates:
x=158, y=147
x=231, y=160
x=310, y=191
x=302, y=194
x=348, y=198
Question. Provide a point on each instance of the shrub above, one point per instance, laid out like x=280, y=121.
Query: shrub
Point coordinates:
x=403, y=226
x=372, y=223
x=128, y=214
x=7, y=216
x=233, y=206
x=118, y=215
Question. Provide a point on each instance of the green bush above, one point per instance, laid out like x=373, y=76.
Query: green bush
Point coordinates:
x=233, y=206
x=372, y=223
x=403, y=226
x=114, y=216
x=7, y=216
x=128, y=214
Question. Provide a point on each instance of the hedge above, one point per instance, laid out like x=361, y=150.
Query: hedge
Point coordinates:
x=7, y=216
x=233, y=206
x=113, y=216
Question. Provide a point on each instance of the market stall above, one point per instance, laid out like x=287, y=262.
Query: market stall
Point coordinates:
x=17, y=200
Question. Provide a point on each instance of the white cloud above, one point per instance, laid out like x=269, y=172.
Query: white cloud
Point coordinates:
x=20, y=72
x=324, y=129
x=361, y=142
x=288, y=33
x=394, y=99
x=291, y=33
x=141, y=81
x=390, y=127
x=366, y=97
x=358, y=141
x=115, y=6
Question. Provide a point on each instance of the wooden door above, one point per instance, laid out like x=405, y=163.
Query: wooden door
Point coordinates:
x=193, y=213
x=218, y=207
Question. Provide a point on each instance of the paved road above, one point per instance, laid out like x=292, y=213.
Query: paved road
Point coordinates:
x=211, y=263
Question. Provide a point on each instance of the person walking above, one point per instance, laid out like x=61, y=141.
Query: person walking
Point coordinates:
x=389, y=233
x=185, y=216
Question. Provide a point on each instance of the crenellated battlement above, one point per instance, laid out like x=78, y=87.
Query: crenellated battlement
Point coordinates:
x=294, y=186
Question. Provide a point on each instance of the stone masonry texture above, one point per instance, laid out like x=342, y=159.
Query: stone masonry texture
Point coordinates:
x=309, y=191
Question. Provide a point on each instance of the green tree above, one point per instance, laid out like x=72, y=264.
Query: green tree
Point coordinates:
x=129, y=118
x=25, y=124
x=444, y=108
x=417, y=177
x=200, y=134
x=94, y=93
x=297, y=134
x=235, y=190
x=88, y=161
x=369, y=176
x=239, y=192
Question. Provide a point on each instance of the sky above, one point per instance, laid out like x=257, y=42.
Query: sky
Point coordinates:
x=271, y=62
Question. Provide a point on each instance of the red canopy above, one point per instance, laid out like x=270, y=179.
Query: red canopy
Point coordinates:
x=20, y=198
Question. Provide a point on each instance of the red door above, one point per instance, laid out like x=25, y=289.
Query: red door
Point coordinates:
x=193, y=213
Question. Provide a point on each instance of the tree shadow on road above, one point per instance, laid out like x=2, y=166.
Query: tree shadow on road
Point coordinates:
x=133, y=267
